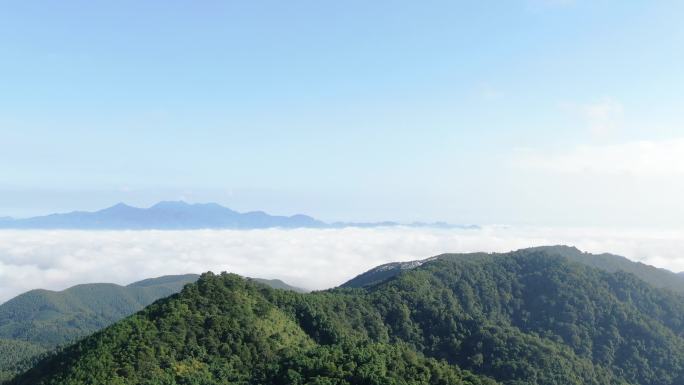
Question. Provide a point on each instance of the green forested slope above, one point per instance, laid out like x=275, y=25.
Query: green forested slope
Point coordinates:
x=278, y=284
x=528, y=317
x=657, y=277
x=14, y=355
x=40, y=320
x=36, y=322
x=48, y=318
x=226, y=329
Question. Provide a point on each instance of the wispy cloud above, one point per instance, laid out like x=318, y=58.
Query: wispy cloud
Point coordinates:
x=488, y=92
x=601, y=117
x=309, y=258
x=663, y=158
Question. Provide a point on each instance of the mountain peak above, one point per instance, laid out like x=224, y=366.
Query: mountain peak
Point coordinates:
x=171, y=205
x=118, y=207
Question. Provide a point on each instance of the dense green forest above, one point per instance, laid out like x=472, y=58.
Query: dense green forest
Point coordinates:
x=527, y=317
x=36, y=322
x=47, y=318
x=16, y=356
x=657, y=277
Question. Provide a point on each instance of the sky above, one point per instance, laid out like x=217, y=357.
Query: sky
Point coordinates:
x=523, y=112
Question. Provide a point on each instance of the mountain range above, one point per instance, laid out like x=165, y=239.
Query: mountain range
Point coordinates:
x=179, y=215
x=660, y=278
x=540, y=316
x=38, y=321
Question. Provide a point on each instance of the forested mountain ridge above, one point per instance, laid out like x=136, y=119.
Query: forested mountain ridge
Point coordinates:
x=225, y=329
x=48, y=318
x=657, y=277
x=40, y=320
x=278, y=284
x=527, y=317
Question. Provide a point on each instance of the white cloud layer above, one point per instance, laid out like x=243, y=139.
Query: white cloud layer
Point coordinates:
x=309, y=258
x=663, y=158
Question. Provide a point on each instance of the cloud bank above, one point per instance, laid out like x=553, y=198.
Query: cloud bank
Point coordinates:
x=310, y=258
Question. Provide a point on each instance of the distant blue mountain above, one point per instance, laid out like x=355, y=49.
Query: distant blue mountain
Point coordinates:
x=179, y=215
x=163, y=216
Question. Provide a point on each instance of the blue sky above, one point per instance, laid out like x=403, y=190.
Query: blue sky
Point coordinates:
x=521, y=112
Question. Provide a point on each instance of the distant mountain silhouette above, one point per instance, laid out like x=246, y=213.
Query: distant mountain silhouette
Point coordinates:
x=179, y=215
x=163, y=216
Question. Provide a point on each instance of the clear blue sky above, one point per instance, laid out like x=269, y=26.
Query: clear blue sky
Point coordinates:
x=527, y=111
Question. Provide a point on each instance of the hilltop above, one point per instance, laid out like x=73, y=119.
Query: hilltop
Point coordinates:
x=38, y=321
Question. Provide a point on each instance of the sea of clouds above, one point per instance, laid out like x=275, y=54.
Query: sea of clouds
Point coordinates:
x=309, y=258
